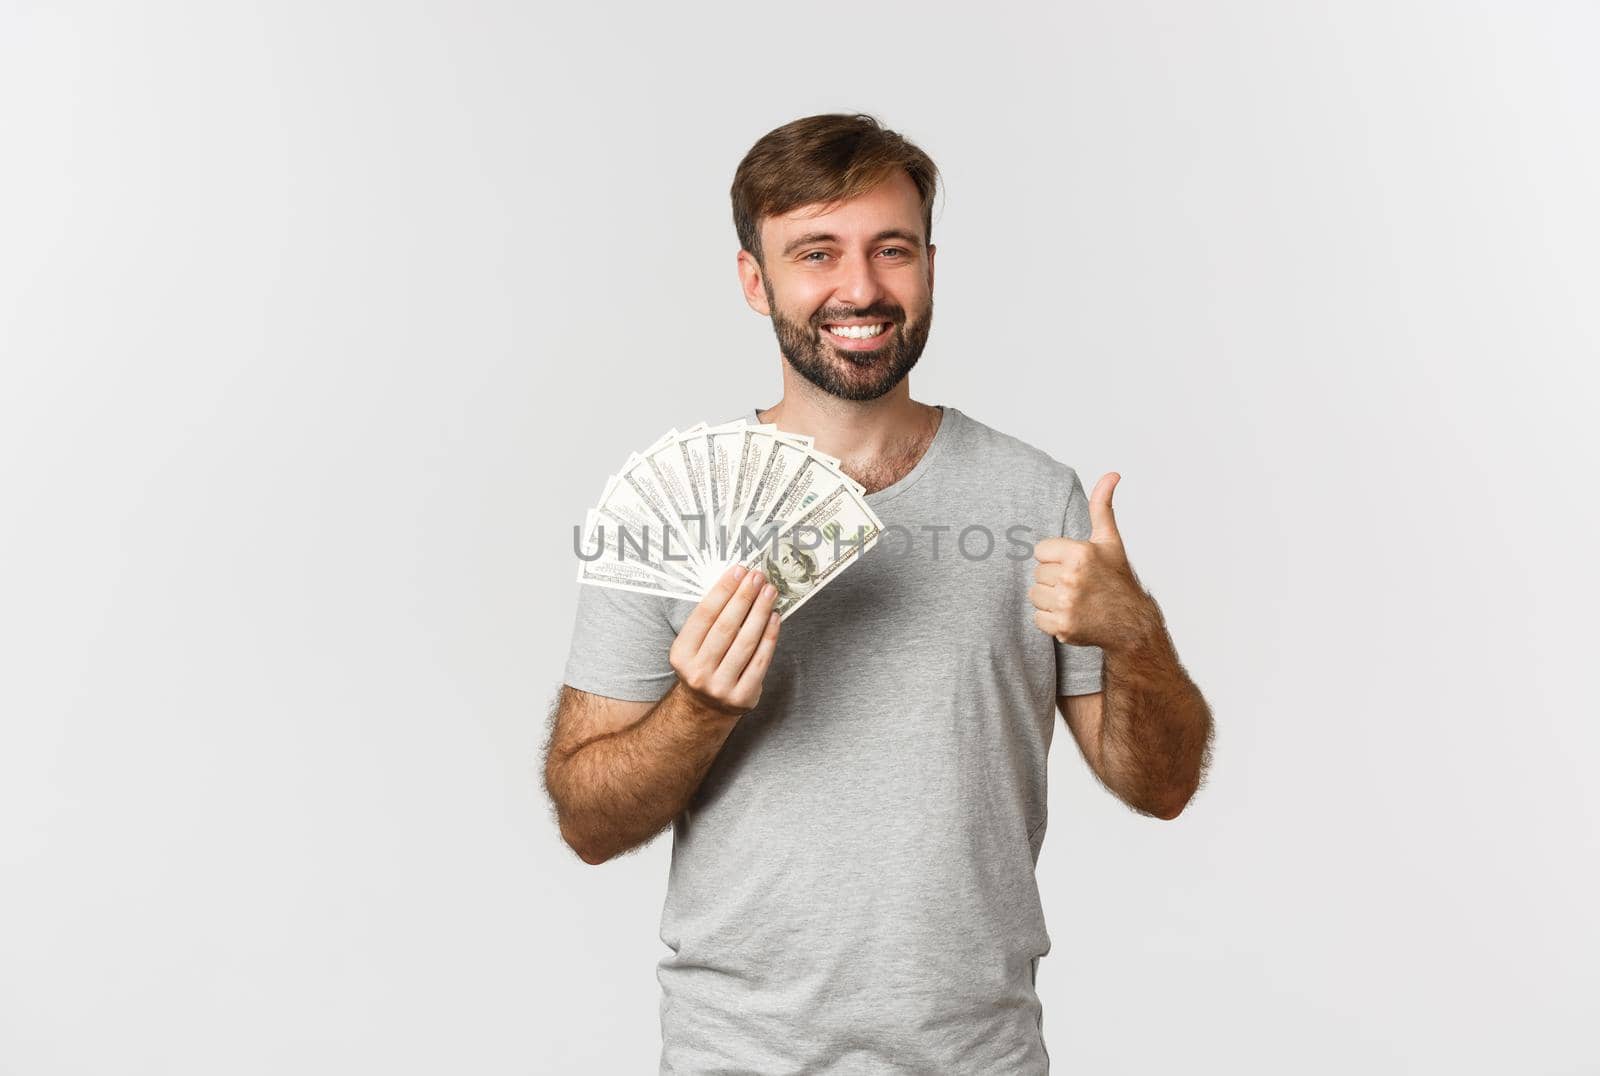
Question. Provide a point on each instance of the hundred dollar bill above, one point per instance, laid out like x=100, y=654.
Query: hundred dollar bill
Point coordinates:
x=631, y=532
x=756, y=445
x=811, y=480
x=695, y=462
x=670, y=470
x=699, y=499
x=638, y=499
x=725, y=459
x=777, y=464
x=806, y=553
x=610, y=569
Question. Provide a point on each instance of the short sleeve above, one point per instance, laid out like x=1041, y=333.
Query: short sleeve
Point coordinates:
x=1077, y=667
x=621, y=640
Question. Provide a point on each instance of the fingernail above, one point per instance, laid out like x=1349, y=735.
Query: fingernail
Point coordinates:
x=770, y=591
x=738, y=571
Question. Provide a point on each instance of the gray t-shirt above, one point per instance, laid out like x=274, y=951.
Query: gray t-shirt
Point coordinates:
x=852, y=887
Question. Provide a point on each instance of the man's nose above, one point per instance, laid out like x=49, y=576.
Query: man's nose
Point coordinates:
x=858, y=285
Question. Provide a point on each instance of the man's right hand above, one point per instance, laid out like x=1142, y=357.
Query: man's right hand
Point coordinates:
x=722, y=654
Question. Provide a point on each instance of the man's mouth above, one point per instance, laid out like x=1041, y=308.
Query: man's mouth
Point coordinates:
x=861, y=336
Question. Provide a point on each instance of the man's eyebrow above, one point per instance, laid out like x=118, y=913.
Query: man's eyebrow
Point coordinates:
x=828, y=237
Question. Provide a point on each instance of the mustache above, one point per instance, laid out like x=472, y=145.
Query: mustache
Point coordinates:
x=895, y=315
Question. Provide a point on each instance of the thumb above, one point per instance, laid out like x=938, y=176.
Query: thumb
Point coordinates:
x=1103, y=521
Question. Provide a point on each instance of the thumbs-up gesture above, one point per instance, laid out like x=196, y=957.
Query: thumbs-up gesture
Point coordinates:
x=1085, y=592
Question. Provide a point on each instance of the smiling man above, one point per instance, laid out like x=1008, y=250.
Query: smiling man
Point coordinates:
x=851, y=352
x=857, y=811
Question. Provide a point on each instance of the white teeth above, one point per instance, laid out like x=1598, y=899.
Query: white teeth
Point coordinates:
x=857, y=332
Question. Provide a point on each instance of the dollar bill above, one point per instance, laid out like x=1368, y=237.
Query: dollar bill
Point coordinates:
x=700, y=499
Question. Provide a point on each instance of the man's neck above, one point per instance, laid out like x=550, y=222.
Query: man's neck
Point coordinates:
x=877, y=442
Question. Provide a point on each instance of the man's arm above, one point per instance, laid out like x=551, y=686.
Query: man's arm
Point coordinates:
x=1147, y=735
x=618, y=771
x=616, y=790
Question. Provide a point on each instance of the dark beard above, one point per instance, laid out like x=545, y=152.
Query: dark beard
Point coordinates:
x=852, y=375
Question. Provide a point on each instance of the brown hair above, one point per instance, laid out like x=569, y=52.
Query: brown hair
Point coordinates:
x=823, y=159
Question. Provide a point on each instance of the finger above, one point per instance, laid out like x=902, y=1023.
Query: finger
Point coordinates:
x=1049, y=573
x=750, y=632
x=1048, y=550
x=699, y=622
x=1102, y=520
x=756, y=670
x=726, y=626
x=1049, y=623
x=1044, y=597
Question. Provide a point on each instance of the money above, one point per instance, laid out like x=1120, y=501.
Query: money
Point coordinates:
x=675, y=516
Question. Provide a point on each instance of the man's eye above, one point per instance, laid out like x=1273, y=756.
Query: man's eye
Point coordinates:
x=896, y=252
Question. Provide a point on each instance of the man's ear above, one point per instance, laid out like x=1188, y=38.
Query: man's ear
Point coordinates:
x=755, y=295
x=932, y=250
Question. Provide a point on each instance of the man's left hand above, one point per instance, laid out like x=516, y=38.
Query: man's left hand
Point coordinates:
x=1085, y=591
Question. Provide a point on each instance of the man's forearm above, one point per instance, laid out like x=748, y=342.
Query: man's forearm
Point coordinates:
x=618, y=790
x=1155, y=733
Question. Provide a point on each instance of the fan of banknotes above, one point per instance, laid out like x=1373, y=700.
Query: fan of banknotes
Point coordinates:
x=678, y=514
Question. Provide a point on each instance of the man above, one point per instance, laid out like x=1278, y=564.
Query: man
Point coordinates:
x=857, y=815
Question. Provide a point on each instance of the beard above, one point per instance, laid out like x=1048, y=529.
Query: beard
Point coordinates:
x=852, y=375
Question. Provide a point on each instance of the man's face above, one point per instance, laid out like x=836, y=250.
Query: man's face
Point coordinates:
x=859, y=267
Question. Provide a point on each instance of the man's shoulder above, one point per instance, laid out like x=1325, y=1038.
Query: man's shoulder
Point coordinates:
x=989, y=446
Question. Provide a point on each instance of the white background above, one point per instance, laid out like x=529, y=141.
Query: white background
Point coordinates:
x=322, y=323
